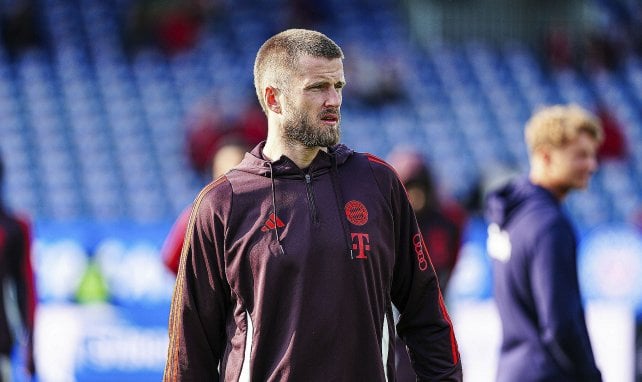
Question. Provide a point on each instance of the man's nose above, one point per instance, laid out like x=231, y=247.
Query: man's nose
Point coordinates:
x=334, y=97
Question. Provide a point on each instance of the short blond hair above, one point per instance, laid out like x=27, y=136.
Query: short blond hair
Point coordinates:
x=558, y=125
x=277, y=58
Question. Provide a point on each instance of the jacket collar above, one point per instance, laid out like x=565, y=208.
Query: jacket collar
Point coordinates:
x=255, y=162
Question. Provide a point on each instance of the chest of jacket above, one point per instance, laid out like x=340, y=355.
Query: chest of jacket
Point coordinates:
x=336, y=232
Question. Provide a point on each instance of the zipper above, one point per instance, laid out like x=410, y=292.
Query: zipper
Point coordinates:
x=311, y=201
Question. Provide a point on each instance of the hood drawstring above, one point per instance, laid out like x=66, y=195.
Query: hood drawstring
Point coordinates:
x=276, y=226
x=336, y=186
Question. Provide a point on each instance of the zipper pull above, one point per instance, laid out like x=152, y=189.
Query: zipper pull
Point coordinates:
x=308, y=178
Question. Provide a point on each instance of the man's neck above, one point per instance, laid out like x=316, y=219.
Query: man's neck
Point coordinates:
x=543, y=182
x=301, y=155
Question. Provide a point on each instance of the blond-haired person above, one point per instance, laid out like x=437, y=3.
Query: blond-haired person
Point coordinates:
x=533, y=246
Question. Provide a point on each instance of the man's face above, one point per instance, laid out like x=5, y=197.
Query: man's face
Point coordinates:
x=571, y=166
x=312, y=104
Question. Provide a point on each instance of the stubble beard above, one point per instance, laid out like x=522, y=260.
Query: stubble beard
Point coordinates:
x=300, y=129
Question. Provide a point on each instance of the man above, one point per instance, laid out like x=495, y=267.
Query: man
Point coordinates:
x=294, y=258
x=533, y=246
x=16, y=276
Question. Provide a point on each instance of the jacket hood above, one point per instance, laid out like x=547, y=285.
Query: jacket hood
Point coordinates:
x=255, y=163
x=502, y=203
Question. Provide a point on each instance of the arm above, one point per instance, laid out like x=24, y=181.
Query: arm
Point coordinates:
x=201, y=295
x=173, y=245
x=424, y=324
x=558, y=302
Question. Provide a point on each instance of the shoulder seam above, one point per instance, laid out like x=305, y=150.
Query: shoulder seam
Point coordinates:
x=375, y=159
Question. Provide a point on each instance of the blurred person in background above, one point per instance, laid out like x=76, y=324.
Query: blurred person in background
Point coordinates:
x=441, y=219
x=294, y=259
x=441, y=222
x=17, y=289
x=173, y=26
x=207, y=126
x=229, y=154
x=614, y=146
x=534, y=249
x=19, y=26
x=558, y=48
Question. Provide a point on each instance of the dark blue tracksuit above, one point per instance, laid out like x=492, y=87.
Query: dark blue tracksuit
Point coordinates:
x=533, y=246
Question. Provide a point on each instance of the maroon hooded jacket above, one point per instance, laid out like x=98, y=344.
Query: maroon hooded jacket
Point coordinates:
x=289, y=274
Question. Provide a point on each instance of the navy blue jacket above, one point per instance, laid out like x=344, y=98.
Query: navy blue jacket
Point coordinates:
x=533, y=246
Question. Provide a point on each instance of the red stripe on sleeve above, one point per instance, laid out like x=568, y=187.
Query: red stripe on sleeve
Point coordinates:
x=453, y=340
x=376, y=159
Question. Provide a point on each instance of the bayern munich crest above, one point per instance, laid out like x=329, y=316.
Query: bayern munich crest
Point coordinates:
x=356, y=213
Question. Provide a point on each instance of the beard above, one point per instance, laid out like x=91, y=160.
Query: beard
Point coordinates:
x=300, y=128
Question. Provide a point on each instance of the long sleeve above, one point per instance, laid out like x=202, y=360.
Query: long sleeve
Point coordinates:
x=557, y=297
x=424, y=324
x=200, y=302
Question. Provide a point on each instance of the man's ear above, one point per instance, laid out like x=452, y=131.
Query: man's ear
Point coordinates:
x=544, y=152
x=272, y=99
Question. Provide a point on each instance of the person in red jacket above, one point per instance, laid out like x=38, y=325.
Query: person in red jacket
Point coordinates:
x=229, y=154
x=295, y=258
x=16, y=275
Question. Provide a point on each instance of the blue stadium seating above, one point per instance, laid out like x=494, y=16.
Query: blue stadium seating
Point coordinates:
x=90, y=132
